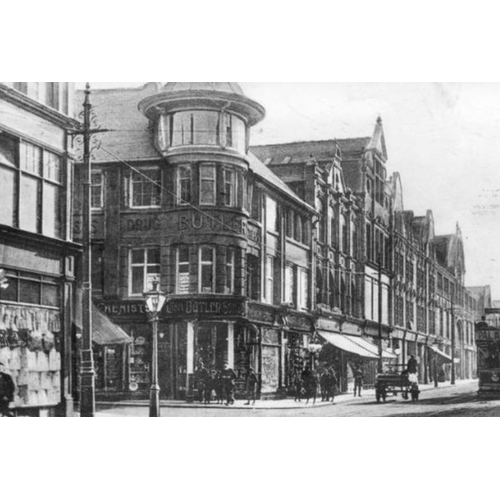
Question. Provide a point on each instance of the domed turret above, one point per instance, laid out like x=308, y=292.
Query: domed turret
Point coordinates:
x=202, y=115
x=229, y=87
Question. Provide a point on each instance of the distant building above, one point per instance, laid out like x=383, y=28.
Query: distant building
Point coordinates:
x=37, y=254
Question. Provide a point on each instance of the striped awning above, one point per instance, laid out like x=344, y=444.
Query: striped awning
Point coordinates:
x=347, y=344
x=366, y=344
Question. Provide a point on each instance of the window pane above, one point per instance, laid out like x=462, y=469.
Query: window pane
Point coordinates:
x=183, y=274
x=184, y=184
x=207, y=184
x=28, y=216
x=29, y=292
x=10, y=293
x=52, y=167
x=51, y=221
x=96, y=190
x=154, y=256
x=138, y=256
x=271, y=214
x=207, y=281
x=229, y=187
x=137, y=280
x=183, y=129
x=239, y=135
x=51, y=295
x=207, y=254
x=31, y=158
x=7, y=196
x=146, y=188
x=8, y=151
x=206, y=127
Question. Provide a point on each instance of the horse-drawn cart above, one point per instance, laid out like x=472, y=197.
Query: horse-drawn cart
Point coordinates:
x=395, y=383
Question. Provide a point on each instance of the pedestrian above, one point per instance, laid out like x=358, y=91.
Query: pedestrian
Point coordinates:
x=310, y=381
x=219, y=391
x=412, y=367
x=228, y=377
x=202, y=375
x=297, y=384
x=358, y=380
x=325, y=384
x=7, y=390
x=251, y=386
x=209, y=387
x=332, y=388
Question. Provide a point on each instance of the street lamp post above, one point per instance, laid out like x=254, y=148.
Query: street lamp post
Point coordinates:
x=155, y=300
x=380, y=311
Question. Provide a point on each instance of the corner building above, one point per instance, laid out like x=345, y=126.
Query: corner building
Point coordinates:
x=176, y=197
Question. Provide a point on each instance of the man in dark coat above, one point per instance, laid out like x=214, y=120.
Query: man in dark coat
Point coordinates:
x=358, y=380
x=332, y=389
x=412, y=365
x=252, y=384
x=228, y=377
x=7, y=390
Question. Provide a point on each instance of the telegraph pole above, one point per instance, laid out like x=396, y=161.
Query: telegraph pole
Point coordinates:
x=87, y=372
x=453, y=373
x=380, y=304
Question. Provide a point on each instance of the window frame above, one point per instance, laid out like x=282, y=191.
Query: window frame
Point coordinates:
x=205, y=167
x=145, y=264
x=229, y=285
x=181, y=200
x=203, y=264
x=178, y=264
x=269, y=271
x=158, y=185
x=93, y=186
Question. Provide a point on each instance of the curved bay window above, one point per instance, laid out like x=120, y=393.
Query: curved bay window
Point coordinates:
x=201, y=128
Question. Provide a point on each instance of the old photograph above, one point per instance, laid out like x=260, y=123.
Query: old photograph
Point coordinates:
x=223, y=249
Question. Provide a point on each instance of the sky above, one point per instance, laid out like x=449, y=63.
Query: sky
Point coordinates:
x=443, y=138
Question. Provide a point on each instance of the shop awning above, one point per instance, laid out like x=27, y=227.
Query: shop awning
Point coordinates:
x=104, y=331
x=366, y=344
x=444, y=357
x=346, y=343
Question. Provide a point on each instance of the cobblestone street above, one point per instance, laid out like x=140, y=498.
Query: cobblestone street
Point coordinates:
x=458, y=401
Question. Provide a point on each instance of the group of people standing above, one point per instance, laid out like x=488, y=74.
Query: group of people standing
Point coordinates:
x=222, y=384
x=306, y=385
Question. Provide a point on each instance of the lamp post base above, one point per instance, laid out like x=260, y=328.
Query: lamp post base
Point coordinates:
x=154, y=402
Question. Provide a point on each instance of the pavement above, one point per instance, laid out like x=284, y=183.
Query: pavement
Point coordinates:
x=117, y=409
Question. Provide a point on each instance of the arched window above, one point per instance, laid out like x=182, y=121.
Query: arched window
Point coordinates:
x=333, y=291
x=343, y=296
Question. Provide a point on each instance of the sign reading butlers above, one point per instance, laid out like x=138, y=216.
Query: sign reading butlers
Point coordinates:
x=208, y=307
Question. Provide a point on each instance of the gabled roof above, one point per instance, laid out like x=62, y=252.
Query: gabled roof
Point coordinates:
x=129, y=137
x=265, y=173
x=377, y=142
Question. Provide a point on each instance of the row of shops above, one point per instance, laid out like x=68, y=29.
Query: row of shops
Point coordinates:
x=277, y=344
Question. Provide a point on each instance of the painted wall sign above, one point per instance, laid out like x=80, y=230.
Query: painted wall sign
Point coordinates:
x=122, y=309
x=207, y=307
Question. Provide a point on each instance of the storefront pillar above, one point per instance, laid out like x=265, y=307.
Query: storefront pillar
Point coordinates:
x=230, y=345
x=190, y=362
